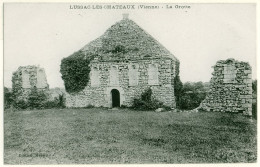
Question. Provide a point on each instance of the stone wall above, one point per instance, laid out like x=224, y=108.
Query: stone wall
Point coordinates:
x=100, y=95
x=230, y=88
x=27, y=77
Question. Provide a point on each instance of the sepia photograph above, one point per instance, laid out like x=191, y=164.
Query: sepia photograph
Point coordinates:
x=129, y=83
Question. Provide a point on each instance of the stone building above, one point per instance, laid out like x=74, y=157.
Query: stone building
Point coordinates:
x=230, y=88
x=128, y=61
x=27, y=77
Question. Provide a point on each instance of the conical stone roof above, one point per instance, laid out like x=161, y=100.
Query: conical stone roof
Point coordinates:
x=127, y=41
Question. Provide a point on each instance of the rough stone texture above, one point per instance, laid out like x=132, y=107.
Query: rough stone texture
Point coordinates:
x=101, y=95
x=136, y=42
x=139, y=63
x=26, y=78
x=230, y=88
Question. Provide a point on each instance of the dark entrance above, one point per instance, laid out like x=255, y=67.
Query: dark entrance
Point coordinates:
x=115, y=98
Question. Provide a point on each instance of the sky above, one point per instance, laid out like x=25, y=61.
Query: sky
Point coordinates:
x=42, y=34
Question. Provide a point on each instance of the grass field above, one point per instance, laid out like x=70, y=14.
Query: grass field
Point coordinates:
x=83, y=136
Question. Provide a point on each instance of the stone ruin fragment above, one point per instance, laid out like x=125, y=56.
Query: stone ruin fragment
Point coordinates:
x=230, y=88
x=27, y=77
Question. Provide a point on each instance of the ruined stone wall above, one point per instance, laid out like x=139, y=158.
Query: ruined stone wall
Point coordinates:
x=100, y=95
x=26, y=78
x=230, y=88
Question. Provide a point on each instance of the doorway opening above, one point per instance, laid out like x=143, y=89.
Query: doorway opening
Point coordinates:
x=115, y=98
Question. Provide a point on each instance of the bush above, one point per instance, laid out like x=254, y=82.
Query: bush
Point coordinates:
x=51, y=104
x=36, y=99
x=192, y=95
x=61, y=103
x=146, y=102
x=75, y=71
x=7, y=98
x=21, y=104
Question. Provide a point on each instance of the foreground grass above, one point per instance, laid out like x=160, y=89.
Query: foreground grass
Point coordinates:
x=80, y=136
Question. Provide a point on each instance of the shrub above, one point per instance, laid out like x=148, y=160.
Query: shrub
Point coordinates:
x=36, y=99
x=58, y=102
x=61, y=103
x=146, y=102
x=75, y=71
x=123, y=106
x=192, y=95
x=167, y=108
x=7, y=98
x=21, y=104
x=51, y=104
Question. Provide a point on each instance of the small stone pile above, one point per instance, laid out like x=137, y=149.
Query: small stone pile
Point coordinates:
x=230, y=88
